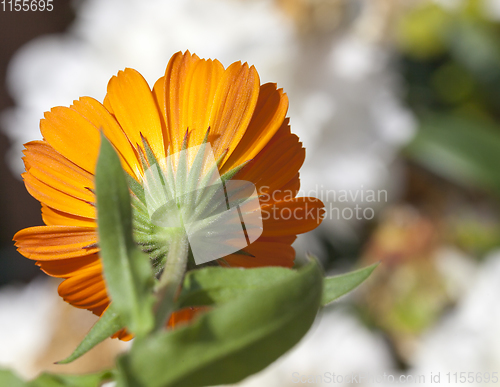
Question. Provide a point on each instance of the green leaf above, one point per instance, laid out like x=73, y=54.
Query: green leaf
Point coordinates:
x=337, y=286
x=216, y=285
x=53, y=380
x=108, y=324
x=231, y=341
x=461, y=149
x=127, y=271
x=10, y=379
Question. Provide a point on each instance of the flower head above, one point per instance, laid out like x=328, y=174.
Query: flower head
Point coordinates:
x=196, y=102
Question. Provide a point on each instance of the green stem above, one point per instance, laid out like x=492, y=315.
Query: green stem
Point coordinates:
x=171, y=278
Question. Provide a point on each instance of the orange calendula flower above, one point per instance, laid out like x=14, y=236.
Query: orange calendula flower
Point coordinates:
x=246, y=125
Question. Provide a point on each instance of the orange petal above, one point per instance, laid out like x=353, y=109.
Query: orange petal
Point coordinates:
x=175, y=89
x=294, y=216
x=134, y=107
x=56, y=242
x=107, y=105
x=200, y=86
x=123, y=335
x=72, y=135
x=57, y=199
x=264, y=254
x=286, y=239
x=100, y=117
x=277, y=164
x=200, y=94
x=267, y=118
x=86, y=289
x=53, y=217
x=94, y=297
x=185, y=315
x=233, y=107
x=287, y=191
x=65, y=268
x=159, y=97
x=51, y=168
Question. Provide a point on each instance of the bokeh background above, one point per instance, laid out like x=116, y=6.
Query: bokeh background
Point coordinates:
x=400, y=98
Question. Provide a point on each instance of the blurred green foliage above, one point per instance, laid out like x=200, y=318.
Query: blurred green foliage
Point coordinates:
x=450, y=59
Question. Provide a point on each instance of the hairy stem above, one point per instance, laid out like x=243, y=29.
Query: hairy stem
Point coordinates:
x=171, y=278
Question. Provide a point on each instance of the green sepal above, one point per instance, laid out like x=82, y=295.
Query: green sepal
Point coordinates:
x=136, y=188
x=150, y=156
x=223, y=154
x=230, y=174
x=142, y=158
